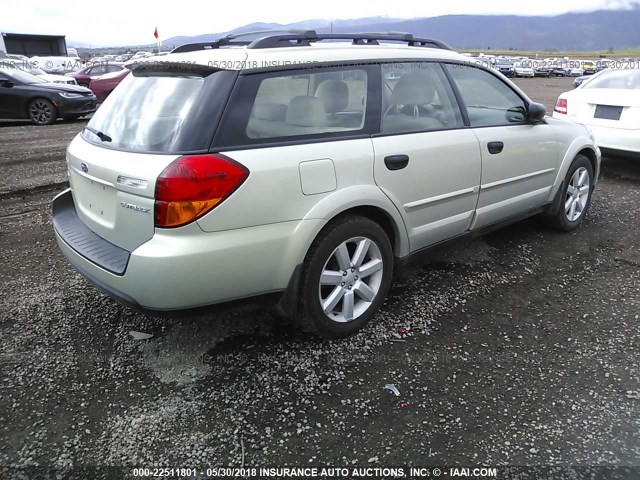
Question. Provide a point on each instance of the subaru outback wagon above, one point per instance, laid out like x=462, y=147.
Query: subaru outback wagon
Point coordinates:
x=291, y=165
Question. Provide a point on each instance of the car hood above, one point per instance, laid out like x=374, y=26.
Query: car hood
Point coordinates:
x=62, y=87
x=50, y=77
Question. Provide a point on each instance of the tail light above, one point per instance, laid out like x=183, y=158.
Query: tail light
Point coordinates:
x=561, y=106
x=193, y=185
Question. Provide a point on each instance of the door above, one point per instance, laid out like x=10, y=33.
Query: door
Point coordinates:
x=426, y=161
x=519, y=158
x=11, y=97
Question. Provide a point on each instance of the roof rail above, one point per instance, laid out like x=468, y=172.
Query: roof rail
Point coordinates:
x=231, y=40
x=293, y=38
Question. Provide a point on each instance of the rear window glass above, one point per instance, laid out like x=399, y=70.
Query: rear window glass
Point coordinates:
x=624, y=79
x=158, y=112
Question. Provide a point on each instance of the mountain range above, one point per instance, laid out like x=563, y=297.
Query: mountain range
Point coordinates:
x=599, y=30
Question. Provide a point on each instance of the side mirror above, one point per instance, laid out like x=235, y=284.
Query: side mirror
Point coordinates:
x=6, y=83
x=536, y=112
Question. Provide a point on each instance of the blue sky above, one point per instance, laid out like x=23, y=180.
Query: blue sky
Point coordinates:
x=120, y=22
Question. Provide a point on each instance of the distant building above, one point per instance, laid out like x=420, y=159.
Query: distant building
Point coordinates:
x=30, y=45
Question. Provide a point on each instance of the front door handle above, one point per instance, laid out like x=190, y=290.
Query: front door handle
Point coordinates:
x=495, y=147
x=396, y=162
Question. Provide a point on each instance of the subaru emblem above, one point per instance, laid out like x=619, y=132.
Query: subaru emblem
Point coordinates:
x=84, y=167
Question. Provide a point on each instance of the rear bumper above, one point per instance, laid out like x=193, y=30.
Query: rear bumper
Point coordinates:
x=185, y=268
x=617, y=139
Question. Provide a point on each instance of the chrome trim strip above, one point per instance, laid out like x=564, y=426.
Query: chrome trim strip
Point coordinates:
x=90, y=177
x=516, y=179
x=439, y=198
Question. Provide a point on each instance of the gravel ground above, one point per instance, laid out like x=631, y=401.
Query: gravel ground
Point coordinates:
x=519, y=348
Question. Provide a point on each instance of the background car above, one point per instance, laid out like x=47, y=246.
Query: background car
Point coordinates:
x=23, y=95
x=609, y=104
x=542, y=70
x=576, y=72
x=38, y=72
x=523, y=69
x=103, y=85
x=83, y=77
x=59, y=65
x=124, y=57
x=505, y=67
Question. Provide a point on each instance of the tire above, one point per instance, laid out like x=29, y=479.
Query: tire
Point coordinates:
x=42, y=112
x=337, y=251
x=576, y=196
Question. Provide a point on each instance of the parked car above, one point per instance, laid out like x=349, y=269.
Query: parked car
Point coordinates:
x=542, y=70
x=195, y=184
x=579, y=80
x=103, y=85
x=559, y=71
x=609, y=104
x=124, y=57
x=523, y=69
x=576, y=72
x=83, y=77
x=38, y=72
x=15, y=56
x=505, y=67
x=57, y=65
x=589, y=67
x=23, y=95
x=141, y=54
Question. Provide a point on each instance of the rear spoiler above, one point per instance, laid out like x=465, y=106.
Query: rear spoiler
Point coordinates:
x=159, y=67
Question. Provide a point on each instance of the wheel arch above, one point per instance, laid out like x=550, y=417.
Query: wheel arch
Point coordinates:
x=369, y=202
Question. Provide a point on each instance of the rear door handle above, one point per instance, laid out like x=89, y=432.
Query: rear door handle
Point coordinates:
x=495, y=147
x=396, y=162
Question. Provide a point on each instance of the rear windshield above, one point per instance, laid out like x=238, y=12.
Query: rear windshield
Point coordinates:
x=160, y=111
x=624, y=79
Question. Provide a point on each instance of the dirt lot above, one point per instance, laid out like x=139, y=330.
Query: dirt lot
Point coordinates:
x=520, y=348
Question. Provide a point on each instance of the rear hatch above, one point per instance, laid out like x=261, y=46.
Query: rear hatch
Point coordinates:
x=606, y=107
x=610, y=99
x=156, y=115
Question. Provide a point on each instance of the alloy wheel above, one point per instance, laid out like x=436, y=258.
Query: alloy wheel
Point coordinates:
x=350, y=279
x=577, y=196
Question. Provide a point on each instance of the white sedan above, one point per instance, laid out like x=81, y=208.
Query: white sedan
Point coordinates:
x=609, y=104
x=523, y=69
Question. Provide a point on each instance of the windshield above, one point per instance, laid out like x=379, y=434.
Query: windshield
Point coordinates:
x=20, y=76
x=158, y=112
x=624, y=79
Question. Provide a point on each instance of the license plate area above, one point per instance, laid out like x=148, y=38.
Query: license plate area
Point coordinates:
x=608, y=112
x=98, y=200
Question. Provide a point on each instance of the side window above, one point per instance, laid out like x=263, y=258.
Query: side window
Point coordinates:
x=417, y=97
x=114, y=68
x=316, y=103
x=101, y=70
x=489, y=101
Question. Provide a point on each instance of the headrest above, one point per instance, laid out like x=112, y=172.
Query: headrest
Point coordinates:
x=306, y=112
x=413, y=88
x=334, y=95
x=269, y=111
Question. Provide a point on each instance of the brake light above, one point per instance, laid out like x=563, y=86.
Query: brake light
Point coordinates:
x=193, y=185
x=561, y=106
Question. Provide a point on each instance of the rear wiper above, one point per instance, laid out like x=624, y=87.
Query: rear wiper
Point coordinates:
x=102, y=136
